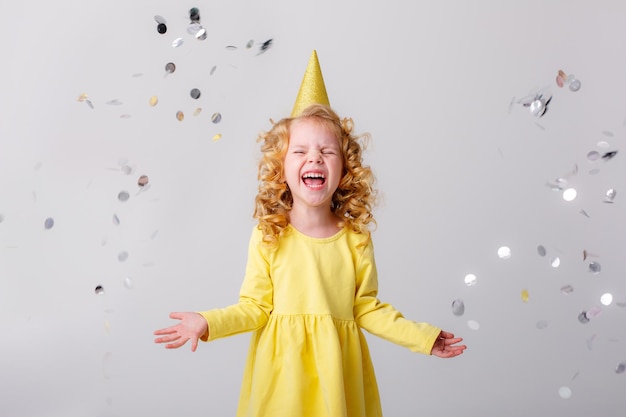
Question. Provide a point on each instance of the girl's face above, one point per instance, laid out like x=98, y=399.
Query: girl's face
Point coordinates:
x=313, y=164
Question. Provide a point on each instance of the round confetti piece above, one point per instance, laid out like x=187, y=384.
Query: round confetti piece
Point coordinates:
x=177, y=42
x=180, y=116
x=595, y=267
x=593, y=155
x=99, y=290
x=610, y=195
x=606, y=299
x=142, y=181
x=537, y=107
x=161, y=28
x=159, y=19
x=154, y=100
x=620, y=368
x=197, y=111
x=555, y=262
x=504, y=252
x=82, y=97
x=194, y=14
x=458, y=307
x=524, y=295
x=473, y=324
x=122, y=256
x=565, y=392
x=194, y=28
x=170, y=67
x=541, y=250
x=574, y=85
x=216, y=118
x=1, y=218
x=217, y=137
x=48, y=223
x=250, y=44
x=569, y=194
x=195, y=93
x=123, y=196
x=567, y=289
x=470, y=280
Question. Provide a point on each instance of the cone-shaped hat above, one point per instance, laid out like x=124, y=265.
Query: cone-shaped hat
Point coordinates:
x=312, y=89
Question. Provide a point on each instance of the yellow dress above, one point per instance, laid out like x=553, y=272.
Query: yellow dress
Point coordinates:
x=307, y=302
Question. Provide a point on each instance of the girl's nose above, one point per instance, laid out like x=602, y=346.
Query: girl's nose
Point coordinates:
x=315, y=157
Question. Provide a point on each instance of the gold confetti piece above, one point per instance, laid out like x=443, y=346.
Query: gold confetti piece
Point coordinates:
x=180, y=115
x=82, y=97
x=107, y=327
x=197, y=111
x=154, y=100
x=525, y=296
x=217, y=137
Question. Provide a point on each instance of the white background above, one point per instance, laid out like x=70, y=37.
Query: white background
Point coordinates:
x=461, y=165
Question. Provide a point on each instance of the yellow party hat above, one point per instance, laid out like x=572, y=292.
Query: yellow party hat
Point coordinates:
x=312, y=89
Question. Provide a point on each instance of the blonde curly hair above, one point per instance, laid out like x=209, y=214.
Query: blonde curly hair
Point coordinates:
x=354, y=198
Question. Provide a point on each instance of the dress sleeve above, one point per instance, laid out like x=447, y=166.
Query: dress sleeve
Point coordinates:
x=382, y=319
x=255, y=298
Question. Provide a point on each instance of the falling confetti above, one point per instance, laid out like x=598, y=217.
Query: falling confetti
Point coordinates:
x=620, y=368
x=606, y=299
x=216, y=118
x=177, y=42
x=170, y=67
x=48, y=223
x=609, y=196
x=142, y=181
x=197, y=111
x=265, y=46
x=122, y=256
x=116, y=220
x=180, y=116
x=567, y=289
x=195, y=93
x=458, y=307
x=473, y=324
x=555, y=262
x=217, y=137
x=128, y=282
x=595, y=267
x=194, y=14
x=583, y=318
x=609, y=155
x=154, y=100
x=569, y=194
x=541, y=324
x=565, y=392
x=524, y=295
x=470, y=280
x=504, y=252
x=541, y=250
x=123, y=196
x=99, y=290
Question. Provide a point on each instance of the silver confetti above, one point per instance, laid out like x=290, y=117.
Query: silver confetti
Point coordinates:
x=458, y=307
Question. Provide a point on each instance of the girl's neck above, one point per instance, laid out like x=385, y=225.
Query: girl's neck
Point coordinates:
x=314, y=222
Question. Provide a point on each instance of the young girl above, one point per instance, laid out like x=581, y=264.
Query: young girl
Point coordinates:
x=311, y=284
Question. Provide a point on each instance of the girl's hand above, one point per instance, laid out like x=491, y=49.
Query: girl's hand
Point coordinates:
x=191, y=327
x=446, y=346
